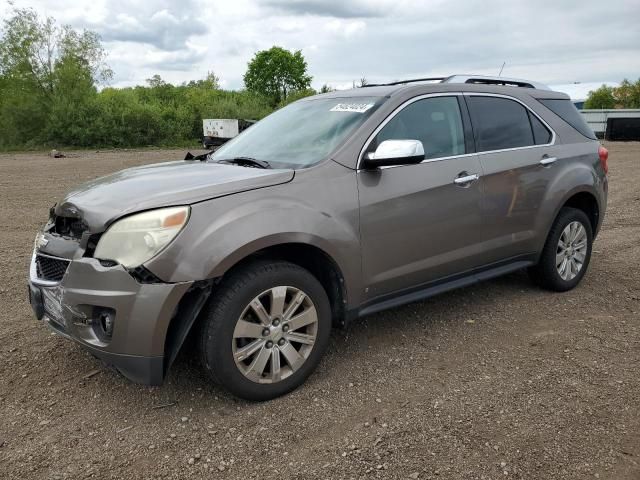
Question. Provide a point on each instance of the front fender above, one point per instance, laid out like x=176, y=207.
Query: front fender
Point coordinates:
x=224, y=231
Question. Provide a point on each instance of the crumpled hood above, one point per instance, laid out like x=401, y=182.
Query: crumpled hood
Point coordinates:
x=103, y=200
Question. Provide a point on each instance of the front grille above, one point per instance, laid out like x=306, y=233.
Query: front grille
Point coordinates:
x=51, y=268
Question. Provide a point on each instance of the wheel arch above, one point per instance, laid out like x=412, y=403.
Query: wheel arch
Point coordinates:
x=305, y=254
x=583, y=197
x=588, y=203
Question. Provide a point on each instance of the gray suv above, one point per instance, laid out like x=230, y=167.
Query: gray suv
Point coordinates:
x=334, y=207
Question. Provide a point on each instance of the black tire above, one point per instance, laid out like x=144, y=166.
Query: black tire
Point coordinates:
x=545, y=273
x=228, y=303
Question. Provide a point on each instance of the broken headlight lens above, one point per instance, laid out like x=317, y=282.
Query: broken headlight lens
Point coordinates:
x=136, y=239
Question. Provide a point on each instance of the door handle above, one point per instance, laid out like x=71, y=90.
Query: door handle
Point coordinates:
x=545, y=162
x=466, y=179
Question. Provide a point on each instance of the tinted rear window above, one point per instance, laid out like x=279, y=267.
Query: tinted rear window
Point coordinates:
x=567, y=111
x=499, y=123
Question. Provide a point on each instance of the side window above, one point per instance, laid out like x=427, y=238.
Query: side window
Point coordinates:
x=541, y=135
x=435, y=121
x=499, y=123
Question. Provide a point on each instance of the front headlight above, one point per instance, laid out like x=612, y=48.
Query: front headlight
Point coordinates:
x=138, y=238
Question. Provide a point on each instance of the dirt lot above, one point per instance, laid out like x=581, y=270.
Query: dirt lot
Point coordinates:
x=500, y=380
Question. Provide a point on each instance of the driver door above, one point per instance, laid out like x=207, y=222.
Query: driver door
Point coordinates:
x=417, y=224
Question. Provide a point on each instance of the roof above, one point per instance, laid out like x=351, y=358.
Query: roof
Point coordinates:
x=421, y=88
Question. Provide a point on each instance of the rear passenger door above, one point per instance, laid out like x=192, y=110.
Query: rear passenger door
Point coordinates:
x=516, y=151
x=417, y=224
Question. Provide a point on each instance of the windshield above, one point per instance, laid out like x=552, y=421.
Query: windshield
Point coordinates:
x=300, y=134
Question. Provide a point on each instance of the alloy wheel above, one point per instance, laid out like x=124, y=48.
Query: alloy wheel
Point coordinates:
x=275, y=334
x=571, y=251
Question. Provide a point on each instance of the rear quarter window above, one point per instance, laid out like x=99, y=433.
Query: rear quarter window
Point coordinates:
x=541, y=135
x=568, y=112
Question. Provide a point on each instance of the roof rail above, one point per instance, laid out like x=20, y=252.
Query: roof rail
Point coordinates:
x=477, y=79
x=486, y=80
x=402, y=82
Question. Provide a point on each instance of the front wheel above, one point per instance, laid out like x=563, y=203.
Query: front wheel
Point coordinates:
x=265, y=330
x=567, y=251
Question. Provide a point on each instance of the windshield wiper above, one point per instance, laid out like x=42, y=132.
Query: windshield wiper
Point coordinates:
x=246, y=162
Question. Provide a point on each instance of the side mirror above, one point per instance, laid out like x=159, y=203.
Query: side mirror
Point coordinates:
x=395, y=152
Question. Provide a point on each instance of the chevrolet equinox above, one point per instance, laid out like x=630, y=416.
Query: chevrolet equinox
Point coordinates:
x=334, y=207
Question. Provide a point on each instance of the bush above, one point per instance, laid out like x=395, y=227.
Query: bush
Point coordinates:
x=48, y=94
x=129, y=117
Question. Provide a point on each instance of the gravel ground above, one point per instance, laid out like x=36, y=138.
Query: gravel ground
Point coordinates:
x=499, y=380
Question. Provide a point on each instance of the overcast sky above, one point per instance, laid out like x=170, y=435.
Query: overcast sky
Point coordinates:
x=558, y=42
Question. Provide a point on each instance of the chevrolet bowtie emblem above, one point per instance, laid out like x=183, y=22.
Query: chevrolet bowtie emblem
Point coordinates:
x=41, y=241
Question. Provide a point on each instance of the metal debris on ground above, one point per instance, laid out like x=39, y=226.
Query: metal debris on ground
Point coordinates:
x=91, y=374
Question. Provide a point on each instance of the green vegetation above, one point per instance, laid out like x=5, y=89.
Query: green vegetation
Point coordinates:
x=49, y=96
x=276, y=72
x=627, y=95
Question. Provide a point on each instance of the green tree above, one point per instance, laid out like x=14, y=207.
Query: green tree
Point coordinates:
x=45, y=70
x=31, y=49
x=49, y=96
x=211, y=82
x=72, y=104
x=627, y=94
x=297, y=95
x=277, y=72
x=600, y=98
x=156, y=81
x=326, y=89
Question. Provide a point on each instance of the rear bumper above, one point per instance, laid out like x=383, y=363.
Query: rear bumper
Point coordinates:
x=76, y=307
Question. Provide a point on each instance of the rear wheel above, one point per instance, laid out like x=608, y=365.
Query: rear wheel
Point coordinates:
x=265, y=330
x=567, y=251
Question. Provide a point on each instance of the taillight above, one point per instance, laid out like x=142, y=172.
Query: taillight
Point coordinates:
x=603, y=153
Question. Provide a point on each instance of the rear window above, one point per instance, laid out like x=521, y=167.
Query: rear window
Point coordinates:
x=499, y=123
x=567, y=111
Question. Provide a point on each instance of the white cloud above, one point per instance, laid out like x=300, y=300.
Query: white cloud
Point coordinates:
x=346, y=28
x=345, y=40
x=165, y=25
x=332, y=8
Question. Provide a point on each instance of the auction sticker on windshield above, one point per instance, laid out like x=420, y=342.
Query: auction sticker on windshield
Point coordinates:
x=352, y=107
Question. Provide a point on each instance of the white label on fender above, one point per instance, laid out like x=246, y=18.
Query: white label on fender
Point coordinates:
x=352, y=107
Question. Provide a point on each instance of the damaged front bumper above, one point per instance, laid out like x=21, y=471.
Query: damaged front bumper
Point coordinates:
x=120, y=320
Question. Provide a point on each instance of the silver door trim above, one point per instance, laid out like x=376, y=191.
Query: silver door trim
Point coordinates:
x=554, y=136
x=453, y=94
